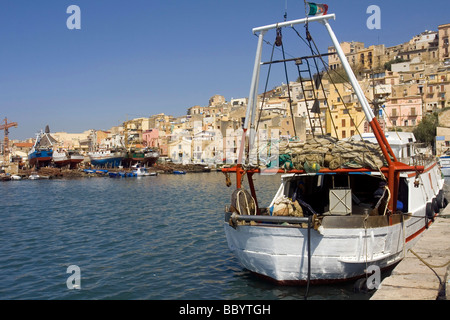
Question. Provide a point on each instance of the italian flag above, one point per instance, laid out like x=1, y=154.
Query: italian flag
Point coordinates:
x=317, y=9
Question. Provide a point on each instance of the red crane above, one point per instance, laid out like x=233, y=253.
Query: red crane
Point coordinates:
x=5, y=127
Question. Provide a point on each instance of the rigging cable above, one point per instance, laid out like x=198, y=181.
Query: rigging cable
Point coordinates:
x=343, y=103
x=310, y=39
x=279, y=37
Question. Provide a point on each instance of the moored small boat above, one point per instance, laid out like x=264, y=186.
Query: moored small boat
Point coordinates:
x=34, y=176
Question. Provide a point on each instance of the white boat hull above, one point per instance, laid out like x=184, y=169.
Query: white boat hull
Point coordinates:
x=281, y=253
x=341, y=248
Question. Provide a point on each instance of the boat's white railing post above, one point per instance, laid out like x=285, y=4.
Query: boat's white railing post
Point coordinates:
x=252, y=101
x=359, y=93
x=294, y=22
x=252, y=98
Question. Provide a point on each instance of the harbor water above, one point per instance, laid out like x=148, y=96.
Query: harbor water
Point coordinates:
x=157, y=238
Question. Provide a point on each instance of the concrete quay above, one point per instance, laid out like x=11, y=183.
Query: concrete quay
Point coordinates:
x=412, y=279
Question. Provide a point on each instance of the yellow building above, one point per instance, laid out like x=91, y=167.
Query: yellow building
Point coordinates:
x=444, y=33
x=345, y=113
x=359, y=57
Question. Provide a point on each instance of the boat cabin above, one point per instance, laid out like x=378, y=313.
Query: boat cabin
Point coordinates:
x=335, y=194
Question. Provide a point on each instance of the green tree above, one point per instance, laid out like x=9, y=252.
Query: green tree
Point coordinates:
x=426, y=130
x=388, y=65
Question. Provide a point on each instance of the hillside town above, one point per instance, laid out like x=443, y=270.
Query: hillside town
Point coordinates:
x=404, y=83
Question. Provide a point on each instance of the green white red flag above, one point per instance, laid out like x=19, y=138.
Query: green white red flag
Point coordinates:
x=316, y=9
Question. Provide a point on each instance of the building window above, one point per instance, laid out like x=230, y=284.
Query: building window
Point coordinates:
x=343, y=134
x=394, y=112
x=343, y=122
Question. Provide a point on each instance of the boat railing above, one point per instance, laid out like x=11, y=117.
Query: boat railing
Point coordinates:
x=272, y=219
x=418, y=160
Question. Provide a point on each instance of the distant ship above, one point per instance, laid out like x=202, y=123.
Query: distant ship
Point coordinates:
x=107, y=158
x=41, y=153
x=67, y=158
x=150, y=156
x=146, y=157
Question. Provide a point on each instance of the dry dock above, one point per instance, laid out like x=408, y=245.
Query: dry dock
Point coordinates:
x=424, y=273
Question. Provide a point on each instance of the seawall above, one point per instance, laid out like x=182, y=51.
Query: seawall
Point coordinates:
x=424, y=273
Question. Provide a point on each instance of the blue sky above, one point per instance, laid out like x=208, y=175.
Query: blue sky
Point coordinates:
x=142, y=57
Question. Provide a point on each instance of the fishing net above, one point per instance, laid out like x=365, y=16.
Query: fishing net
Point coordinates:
x=327, y=152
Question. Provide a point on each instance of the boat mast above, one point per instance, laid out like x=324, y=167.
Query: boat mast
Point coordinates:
x=252, y=101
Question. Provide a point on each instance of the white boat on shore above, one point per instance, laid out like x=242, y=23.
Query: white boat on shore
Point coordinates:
x=330, y=223
x=34, y=176
x=69, y=158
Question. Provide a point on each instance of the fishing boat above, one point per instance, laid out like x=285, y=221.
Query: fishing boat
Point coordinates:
x=138, y=156
x=34, y=176
x=69, y=158
x=134, y=156
x=151, y=155
x=143, y=172
x=342, y=206
x=107, y=158
x=444, y=162
x=41, y=153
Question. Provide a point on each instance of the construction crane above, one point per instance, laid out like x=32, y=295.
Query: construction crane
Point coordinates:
x=5, y=127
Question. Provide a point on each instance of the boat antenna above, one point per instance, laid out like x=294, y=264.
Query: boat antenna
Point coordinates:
x=285, y=10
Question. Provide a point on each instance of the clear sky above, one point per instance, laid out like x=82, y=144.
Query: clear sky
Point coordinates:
x=136, y=58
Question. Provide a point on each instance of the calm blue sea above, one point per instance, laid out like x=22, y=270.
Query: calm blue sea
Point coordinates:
x=158, y=238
